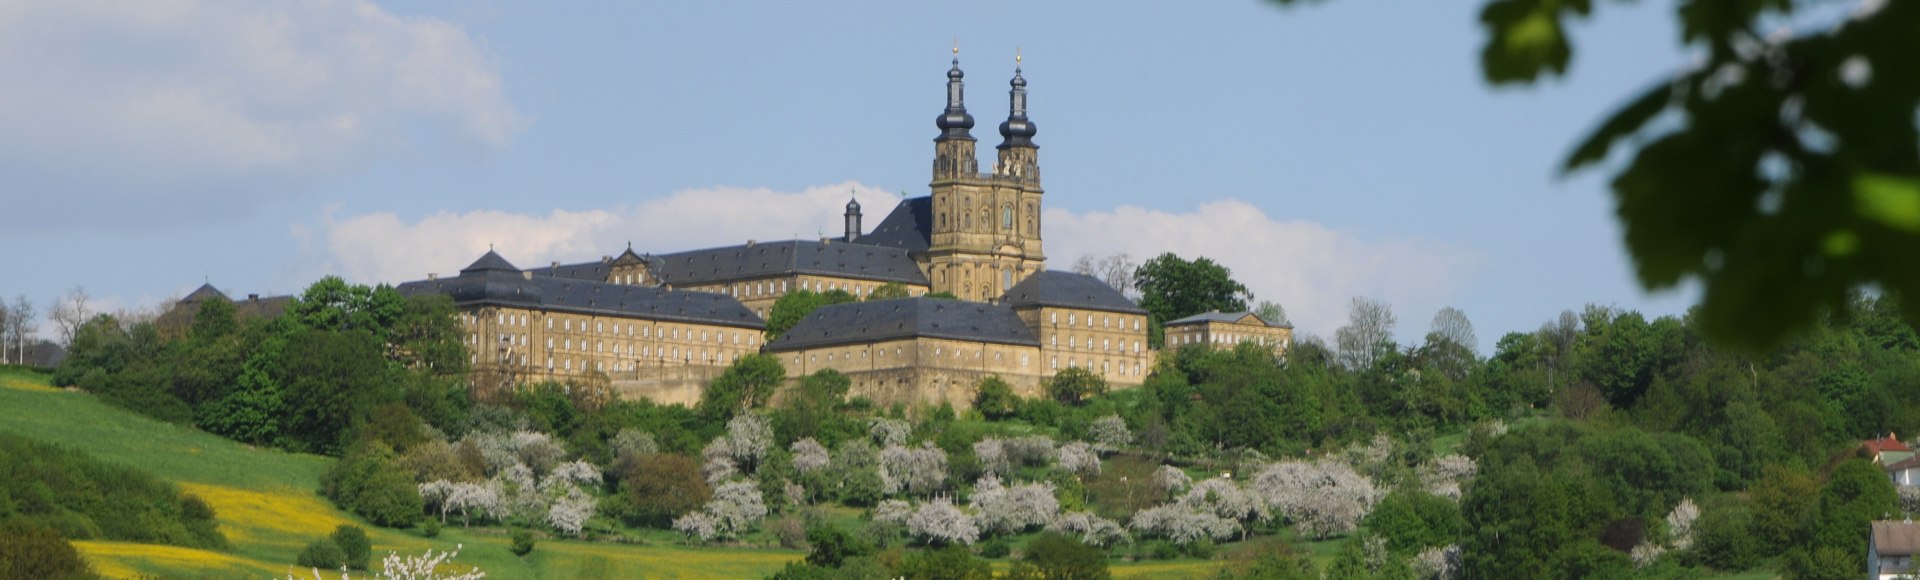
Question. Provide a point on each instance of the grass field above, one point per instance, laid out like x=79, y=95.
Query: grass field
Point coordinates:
x=267, y=507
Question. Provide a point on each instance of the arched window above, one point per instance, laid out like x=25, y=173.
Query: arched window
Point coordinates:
x=1006, y=216
x=985, y=218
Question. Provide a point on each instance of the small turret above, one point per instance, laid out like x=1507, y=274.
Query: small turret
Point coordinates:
x=853, y=220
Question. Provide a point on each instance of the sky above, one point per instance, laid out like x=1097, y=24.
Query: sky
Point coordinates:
x=1322, y=151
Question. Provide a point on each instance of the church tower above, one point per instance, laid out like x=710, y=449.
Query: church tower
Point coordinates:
x=986, y=227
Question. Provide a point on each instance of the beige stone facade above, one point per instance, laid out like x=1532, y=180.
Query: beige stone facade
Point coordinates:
x=1226, y=330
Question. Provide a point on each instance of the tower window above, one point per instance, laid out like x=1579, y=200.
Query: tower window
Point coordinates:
x=1006, y=216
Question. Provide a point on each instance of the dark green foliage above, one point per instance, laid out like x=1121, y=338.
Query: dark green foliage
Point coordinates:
x=662, y=486
x=796, y=305
x=888, y=291
x=1723, y=539
x=994, y=399
x=370, y=481
x=322, y=554
x=1411, y=520
x=1856, y=493
x=1172, y=288
x=1272, y=564
x=1074, y=385
x=832, y=546
x=748, y=383
x=85, y=499
x=818, y=409
x=354, y=545
x=431, y=529
x=1053, y=556
x=997, y=547
x=522, y=542
x=38, y=552
x=952, y=562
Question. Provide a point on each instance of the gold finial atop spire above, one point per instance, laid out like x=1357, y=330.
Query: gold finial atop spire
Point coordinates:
x=956, y=47
x=1016, y=55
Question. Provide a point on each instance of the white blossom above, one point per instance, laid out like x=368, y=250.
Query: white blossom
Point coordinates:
x=1110, y=433
x=889, y=432
x=796, y=493
x=570, y=512
x=1078, y=458
x=537, y=450
x=1221, y=497
x=1013, y=509
x=736, y=507
x=920, y=470
x=1030, y=450
x=1646, y=554
x=520, y=494
x=1093, y=530
x=939, y=521
x=634, y=441
x=1445, y=475
x=1169, y=479
x=1321, y=498
x=1437, y=563
x=424, y=567
x=1909, y=498
x=1680, y=523
x=696, y=524
x=572, y=473
x=719, y=464
x=749, y=438
x=892, y=511
x=435, y=495
x=809, y=455
x=992, y=454
x=1182, y=525
x=483, y=499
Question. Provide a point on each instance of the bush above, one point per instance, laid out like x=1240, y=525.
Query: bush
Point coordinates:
x=1158, y=550
x=663, y=485
x=354, y=545
x=522, y=542
x=995, y=548
x=791, y=533
x=31, y=551
x=951, y=562
x=1054, y=556
x=81, y=498
x=322, y=554
x=370, y=481
x=431, y=530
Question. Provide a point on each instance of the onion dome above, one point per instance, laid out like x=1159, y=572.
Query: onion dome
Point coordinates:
x=955, y=122
x=1017, y=131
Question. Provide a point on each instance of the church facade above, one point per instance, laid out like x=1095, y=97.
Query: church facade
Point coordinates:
x=662, y=325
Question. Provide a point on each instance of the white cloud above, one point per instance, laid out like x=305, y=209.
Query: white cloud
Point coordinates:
x=1309, y=268
x=135, y=112
x=361, y=247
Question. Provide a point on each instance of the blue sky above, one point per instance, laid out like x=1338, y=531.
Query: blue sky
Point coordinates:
x=1321, y=151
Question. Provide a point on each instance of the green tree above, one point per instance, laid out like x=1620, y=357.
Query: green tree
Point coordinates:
x=952, y=562
x=1855, y=494
x=29, y=551
x=1781, y=171
x=1172, y=288
x=1074, y=385
x=794, y=306
x=748, y=383
x=1411, y=520
x=354, y=545
x=1052, y=556
x=661, y=486
x=994, y=398
x=888, y=291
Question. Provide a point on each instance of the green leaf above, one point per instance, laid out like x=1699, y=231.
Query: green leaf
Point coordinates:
x=1625, y=122
x=1888, y=199
x=1524, y=38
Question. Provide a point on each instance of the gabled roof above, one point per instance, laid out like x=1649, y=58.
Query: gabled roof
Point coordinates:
x=1228, y=317
x=864, y=322
x=490, y=261
x=856, y=260
x=908, y=227
x=1888, y=443
x=204, y=292
x=499, y=286
x=1068, y=290
x=1909, y=462
x=1891, y=538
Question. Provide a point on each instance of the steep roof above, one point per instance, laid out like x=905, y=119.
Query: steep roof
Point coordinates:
x=490, y=261
x=863, y=322
x=908, y=227
x=505, y=287
x=1068, y=290
x=1888, y=443
x=1229, y=317
x=205, y=291
x=1891, y=538
x=859, y=260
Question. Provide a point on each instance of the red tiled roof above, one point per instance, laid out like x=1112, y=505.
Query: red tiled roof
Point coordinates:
x=1888, y=443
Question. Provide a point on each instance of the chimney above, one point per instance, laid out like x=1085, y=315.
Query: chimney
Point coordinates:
x=556, y=264
x=527, y=274
x=825, y=241
x=253, y=297
x=750, y=243
x=432, y=276
x=605, y=259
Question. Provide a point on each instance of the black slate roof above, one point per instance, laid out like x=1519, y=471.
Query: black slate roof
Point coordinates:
x=507, y=287
x=204, y=292
x=1068, y=290
x=862, y=322
x=1217, y=316
x=909, y=227
x=858, y=260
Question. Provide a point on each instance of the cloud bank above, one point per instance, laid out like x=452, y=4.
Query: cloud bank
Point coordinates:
x=168, y=111
x=1310, y=269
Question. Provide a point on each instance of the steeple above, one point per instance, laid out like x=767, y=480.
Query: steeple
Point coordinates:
x=1017, y=131
x=955, y=122
x=953, y=155
x=853, y=219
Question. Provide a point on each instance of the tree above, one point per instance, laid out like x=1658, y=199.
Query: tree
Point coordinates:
x=794, y=306
x=1056, y=557
x=69, y=312
x=1271, y=312
x=20, y=326
x=1172, y=288
x=1116, y=270
x=888, y=291
x=663, y=485
x=953, y=562
x=5, y=355
x=354, y=545
x=1368, y=334
x=746, y=384
x=1452, y=324
x=1075, y=385
x=1779, y=171
x=994, y=398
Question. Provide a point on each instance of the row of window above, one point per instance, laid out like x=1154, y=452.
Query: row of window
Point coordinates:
x=1106, y=321
x=1105, y=343
x=628, y=329
x=1226, y=338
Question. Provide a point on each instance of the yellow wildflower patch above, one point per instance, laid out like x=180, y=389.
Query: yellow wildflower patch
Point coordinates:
x=125, y=560
x=12, y=383
x=280, y=517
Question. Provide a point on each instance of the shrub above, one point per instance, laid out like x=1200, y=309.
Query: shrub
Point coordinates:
x=662, y=485
x=832, y=547
x=30, y=551
x=952, y=562
x=431, y=530
x=522, y=542
x=1055, y=556
x=791, y=533
x=322, y=554
x=995, y=548
x=80, y=497
x=370, y=481
x=354, y=545
x=994, y=398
